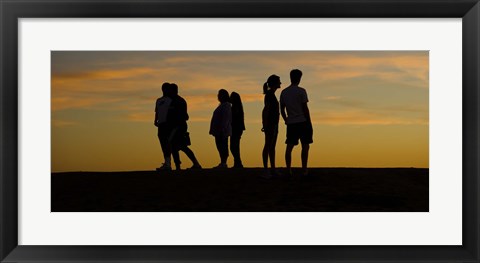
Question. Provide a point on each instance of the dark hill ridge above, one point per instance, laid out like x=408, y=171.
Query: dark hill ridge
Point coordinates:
x=209, y=190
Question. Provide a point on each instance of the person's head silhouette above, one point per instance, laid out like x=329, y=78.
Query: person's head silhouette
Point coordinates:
x=174, y=89
x=235, y=99
x=272, y=84
x=165, y=87
x=223, y=96
x=295, y=76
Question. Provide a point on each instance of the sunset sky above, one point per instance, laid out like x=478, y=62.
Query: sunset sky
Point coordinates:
x=369, y=108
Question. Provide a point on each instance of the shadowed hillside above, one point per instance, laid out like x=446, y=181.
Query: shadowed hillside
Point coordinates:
x=324, y=190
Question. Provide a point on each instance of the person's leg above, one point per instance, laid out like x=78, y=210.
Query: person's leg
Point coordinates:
x=271, y=152
x=288, y=157
x=174, y=147
x=306, y=138
x=305, y=148
x=191, y=156
x=235, y=150
x=292, y=140
x=266, y=150
x=176, y=158
x=163, y=138
x=224, y=154
x=219, y=143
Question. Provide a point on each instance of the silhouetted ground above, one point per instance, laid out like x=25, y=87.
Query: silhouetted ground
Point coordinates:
x=325, y=190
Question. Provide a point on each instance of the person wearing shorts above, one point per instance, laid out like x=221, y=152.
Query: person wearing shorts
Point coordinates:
x=295, y=113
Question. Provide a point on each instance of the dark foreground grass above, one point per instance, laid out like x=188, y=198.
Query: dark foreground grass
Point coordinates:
x=325, y=190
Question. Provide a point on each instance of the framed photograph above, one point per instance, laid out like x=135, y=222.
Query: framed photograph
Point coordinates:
x=229, y=131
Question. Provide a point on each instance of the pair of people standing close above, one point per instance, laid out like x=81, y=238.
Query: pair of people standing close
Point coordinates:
x=171, y=119
x=294, y=111
x=228, y=121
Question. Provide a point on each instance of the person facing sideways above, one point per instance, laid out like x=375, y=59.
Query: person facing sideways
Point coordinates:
x=161, y=109
x=221, y=126
x=270, y=118
x=238, y=126
x=297, y=118
x=179, y=138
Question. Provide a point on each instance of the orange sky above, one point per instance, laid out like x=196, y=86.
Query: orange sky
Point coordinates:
x=370, y=109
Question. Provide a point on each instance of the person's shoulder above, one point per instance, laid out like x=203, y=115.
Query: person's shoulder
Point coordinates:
x=302, y=90
x=285, y=90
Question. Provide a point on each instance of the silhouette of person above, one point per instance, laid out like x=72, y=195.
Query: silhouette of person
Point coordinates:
x=161, y=109
x=238, y=126
x=297, y=118
x=221, y=126
x=270, y=119
x=179, y=138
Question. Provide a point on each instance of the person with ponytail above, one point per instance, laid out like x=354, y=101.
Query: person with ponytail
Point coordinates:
x=270, y=119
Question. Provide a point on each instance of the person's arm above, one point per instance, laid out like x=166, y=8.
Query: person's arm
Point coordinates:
x=282, y=112
x=226, y=118
x=184, y=109
x=155, y=121
x=265, y=113
x=306, y=112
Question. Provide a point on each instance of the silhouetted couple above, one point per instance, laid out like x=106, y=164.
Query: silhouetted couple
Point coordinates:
x=294, y=111
x=171, y=119
x=228, y=121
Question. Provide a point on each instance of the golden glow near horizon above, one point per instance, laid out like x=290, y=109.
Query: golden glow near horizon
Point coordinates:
x=369, y=108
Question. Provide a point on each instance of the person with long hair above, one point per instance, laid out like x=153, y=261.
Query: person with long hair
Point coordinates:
x=221, y=126
x=270, y=119
x=238, y=126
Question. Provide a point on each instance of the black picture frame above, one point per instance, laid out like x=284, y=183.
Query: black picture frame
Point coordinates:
x=12, y=10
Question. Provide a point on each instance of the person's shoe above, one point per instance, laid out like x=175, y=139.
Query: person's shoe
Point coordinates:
x=164, y=167
x=238, y=166
x=221, y=166
x=196, y=167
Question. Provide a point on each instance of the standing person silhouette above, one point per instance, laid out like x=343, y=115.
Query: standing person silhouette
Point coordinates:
x=297, y=118
x=238, y=126
x=161, y=109
x=221, y=126
x=270, y=119
x=179, y=138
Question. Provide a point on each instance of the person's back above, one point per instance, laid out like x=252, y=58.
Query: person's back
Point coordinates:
x=297, y=117
x=177, y=114
x=221, y=123
x=293, y=98
x=161, y=109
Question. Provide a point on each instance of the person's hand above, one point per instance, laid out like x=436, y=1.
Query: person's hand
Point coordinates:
x=155, y=123
x=263, y=129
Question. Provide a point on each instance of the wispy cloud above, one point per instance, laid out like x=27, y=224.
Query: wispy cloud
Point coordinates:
x=363, y=118
x=63, y=123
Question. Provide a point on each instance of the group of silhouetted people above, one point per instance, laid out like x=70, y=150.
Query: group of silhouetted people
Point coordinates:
x=228, y=121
